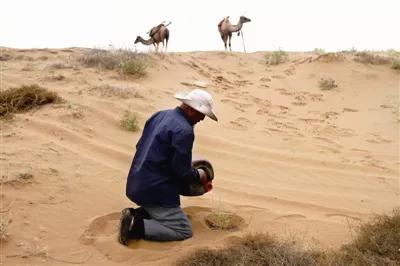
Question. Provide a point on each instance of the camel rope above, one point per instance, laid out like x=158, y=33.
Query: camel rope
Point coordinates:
x=244, y=47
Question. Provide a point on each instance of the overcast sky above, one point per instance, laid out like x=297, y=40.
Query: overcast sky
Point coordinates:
x=290, y=25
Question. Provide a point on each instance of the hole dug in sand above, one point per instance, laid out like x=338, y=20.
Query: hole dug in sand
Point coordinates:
x=224, y=221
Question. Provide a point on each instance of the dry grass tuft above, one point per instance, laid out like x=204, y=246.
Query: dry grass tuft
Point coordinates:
x=134, y=67
x=5, y=57
x=377, y=243
x=260, y=249
x=4, y=222
x=223, y=221
x=319, y=51
x=276, y=57
x=327, y=84
x=24, y=98
x=124, y=61
x=18, y=180
x=396, y=64
x=330, y=57
x=118, y=91
x=369, y=58
x=58, y=65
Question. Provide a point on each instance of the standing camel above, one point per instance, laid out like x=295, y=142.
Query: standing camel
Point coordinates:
x=158, y=34
x=225, y=29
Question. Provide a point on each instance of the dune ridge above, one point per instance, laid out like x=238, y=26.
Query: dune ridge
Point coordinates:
x=290, y=159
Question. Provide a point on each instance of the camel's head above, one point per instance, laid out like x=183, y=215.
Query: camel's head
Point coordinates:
x=243, y=19
x=137, y=39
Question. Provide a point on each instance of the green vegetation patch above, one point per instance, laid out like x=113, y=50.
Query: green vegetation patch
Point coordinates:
x=129, y=121
x=396, y=64
x=276, y=57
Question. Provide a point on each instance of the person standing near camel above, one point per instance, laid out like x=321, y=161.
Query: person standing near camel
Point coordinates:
x=161, y=167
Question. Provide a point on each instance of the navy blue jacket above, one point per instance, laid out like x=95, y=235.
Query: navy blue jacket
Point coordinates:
x=163, y=160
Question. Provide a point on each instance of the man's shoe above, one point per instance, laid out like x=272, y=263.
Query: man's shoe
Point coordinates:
x=125, y=225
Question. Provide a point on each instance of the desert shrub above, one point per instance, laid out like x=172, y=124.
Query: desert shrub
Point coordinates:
x=276, y=57
x=110, y=90
x=393, y=53
x=377, y=243
x=125, y=61
x=221, y=220
x=4, y=222
x=134, y=67
x=129, y=121
x=24, y=98
x=327, y=84
x=369, y=58
x=58, y=65
x=352, y=50
x=396, y=64
x=260, y=249
x=319, y=51
x=330, y=57
x=5, y=57
x=99, y=58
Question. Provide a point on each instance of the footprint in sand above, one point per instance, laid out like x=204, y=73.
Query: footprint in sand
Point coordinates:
x=264, y=86
x=235, y=74
x=378, y=139
x=294, y=216
x=346, y=109
x=265, y=79
x=290, y=71
x=299, y=103
x=241, y=123
x=238, y=125
x=103, y=226
x=278, y=77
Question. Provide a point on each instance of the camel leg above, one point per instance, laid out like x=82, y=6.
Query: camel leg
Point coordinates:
x=229, y=38
x=225, y=39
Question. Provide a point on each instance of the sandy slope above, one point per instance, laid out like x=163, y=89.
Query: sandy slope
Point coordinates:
x=290, y=159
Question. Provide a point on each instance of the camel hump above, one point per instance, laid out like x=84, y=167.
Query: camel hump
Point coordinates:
x=156, y=29
x=222, y=21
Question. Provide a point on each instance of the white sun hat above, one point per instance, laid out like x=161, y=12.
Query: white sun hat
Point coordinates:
x=200, y=100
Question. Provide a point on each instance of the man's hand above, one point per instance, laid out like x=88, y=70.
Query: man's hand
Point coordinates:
x=207, y=184
x=203, y=176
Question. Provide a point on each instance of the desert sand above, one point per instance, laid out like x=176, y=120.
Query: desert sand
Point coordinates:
x=290, y=159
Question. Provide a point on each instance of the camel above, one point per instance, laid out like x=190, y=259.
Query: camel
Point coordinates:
x=157, y=34
x=225, y=29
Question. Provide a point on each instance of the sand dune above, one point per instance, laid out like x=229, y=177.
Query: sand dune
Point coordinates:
x=290, y=159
